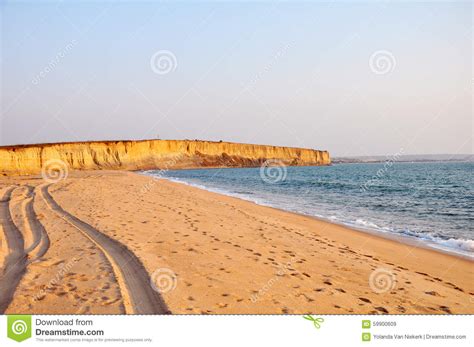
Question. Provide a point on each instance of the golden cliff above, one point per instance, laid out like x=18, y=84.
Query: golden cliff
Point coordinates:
x=150, y=154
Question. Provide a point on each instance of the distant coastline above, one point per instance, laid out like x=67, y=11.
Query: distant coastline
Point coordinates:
x=415, y=158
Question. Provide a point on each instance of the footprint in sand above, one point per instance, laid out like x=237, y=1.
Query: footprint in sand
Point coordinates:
x=381, y=309
x=445, y=309
x=401, y=309
x=455, y=287
x=433, y=293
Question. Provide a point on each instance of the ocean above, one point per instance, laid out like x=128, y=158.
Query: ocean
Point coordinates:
x=429, y=202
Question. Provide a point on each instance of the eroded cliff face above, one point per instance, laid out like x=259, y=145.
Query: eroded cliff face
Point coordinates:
x=151, y=154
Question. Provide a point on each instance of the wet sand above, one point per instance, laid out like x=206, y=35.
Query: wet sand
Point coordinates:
x=119, y=242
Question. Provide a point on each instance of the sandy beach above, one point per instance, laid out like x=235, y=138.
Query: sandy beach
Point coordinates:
x=119, y=242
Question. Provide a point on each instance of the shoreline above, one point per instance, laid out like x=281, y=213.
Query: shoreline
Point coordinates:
x=400, y=238
x=219, y=255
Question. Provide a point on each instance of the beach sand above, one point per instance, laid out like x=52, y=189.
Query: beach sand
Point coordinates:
x=91, y=242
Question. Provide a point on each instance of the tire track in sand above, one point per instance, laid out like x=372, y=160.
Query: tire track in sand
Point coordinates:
x=134, y=281
x=33, y=233
x=41, y=242
x=15, y=262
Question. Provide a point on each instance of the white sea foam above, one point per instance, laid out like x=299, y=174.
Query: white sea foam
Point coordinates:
x=367, y=224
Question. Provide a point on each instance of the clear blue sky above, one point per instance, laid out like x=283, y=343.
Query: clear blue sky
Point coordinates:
x=297, y=74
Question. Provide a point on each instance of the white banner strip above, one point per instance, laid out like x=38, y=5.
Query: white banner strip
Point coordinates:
x=239, y=331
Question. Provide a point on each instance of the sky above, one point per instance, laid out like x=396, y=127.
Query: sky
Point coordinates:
x=368, y=78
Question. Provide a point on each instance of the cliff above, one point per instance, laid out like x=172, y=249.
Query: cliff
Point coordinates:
x=150, y=154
